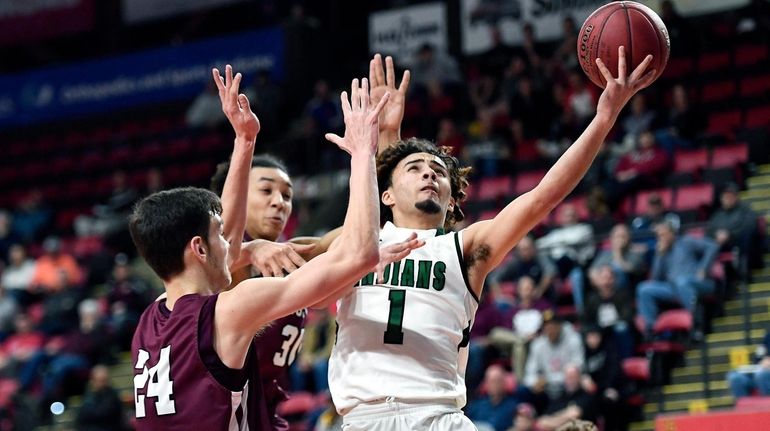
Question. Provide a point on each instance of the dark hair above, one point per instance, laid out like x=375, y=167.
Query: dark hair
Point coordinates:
x=458, y=176
x=260, y=161
x=163, y=223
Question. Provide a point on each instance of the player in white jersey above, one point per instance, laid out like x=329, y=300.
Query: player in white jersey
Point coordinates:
x=399, y=359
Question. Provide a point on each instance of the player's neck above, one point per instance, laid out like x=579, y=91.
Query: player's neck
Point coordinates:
x=188, y=282
x=419, y=221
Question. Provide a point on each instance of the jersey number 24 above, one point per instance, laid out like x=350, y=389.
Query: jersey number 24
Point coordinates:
x=157, y=381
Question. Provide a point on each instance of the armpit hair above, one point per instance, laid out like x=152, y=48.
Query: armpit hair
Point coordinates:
x=479, y=254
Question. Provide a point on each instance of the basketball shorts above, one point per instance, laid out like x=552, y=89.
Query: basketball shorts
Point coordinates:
x=392, y=414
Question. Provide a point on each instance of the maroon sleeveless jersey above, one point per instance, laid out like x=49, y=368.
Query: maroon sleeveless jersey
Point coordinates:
x=277, y=346
x=179, y=381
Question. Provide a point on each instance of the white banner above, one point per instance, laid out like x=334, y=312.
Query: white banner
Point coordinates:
x=478, y=18
x=400, y=32
x=135, y=11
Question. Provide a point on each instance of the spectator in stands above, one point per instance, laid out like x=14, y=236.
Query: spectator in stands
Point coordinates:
x=154, y=181
x=8, y=311
x=55, y=270
x=521, y=323
x=110, y=217
x=524, y=419
x=603, y=368
x=313, y=358
x=564, y=57
x=611, y=309
x=734, y=226
x=549, y=356
x=496, y=407
x=323, y=110
x=526, y=262
x=642, y=168
x=206, y=109
x=7, y=236
x=486, y=151
x=102, y=409
x=127, y=297
x=266, y=98
x=575, y=401
x=639, y=120
x=746, y=379
x=20, y=347
x=627, y=263
x=482, y=346
x=684, y=123
x=642, y=225
x=17, y=276
x=32, y=217
x=679, y=273
x=450, y=136
x=579, y=102
x=430, y=65
x=571, y=246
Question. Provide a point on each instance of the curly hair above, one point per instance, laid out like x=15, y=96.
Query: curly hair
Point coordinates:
x=458, y=175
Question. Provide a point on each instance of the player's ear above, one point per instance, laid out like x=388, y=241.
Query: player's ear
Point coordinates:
x=451, y=207
x=387, y=198
x=198, y=248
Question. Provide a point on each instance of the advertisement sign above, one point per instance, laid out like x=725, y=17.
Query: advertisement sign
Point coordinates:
x=135, y=11
x=400, y=32
x=141, y=78
x=34, y=20
x=478, y=18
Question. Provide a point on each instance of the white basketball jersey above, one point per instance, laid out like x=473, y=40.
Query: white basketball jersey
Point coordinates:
x=406, y=336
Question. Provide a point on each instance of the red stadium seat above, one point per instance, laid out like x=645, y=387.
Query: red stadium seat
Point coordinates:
x=713, y=61
x=757, y=117
x=724, y=123
x=690, y=161
x=693, y=197
x=729, y=156
x=298, y=403
x=527, y=181
x=673, y=320
x=678, y=67
x=750, y=54
x=493, y=188
x=579, y=202
x=718, y=91
x=753, y=86
x=637, y=369
x=666, y=195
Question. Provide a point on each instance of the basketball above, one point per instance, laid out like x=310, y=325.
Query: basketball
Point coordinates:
x=627, y=23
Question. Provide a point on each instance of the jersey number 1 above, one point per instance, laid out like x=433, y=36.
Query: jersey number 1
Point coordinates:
x=158, y=382
x=394, y=333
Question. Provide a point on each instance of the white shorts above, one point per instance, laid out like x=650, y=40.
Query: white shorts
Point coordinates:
x=401, y=415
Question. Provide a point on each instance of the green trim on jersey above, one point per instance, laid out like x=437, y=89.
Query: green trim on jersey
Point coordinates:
x=464, y=266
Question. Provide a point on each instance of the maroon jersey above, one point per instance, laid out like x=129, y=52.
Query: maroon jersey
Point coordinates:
x=179, y=381
x=277, y=346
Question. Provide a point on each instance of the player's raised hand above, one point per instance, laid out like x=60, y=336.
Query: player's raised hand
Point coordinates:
x=361, y=119
x=395, y=252
x=384, y=81
x=236, y=105
x=620, y=90
x=274, y=259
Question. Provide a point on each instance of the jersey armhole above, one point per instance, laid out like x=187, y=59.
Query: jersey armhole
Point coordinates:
x=232, y=379
x=463, y=265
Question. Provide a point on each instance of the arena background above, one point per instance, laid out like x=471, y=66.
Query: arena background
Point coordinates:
x=102, y=102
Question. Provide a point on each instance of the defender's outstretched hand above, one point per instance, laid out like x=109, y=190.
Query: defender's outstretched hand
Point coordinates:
x=385, y=82
x=361, y=119
x=395, y=252
x=236, y=106
x=620, y=90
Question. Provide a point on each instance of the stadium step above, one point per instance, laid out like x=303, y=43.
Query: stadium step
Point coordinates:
x=642, y=426
x=694, y=373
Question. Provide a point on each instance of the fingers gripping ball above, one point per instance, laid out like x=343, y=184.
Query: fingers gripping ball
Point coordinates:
x=626, y=23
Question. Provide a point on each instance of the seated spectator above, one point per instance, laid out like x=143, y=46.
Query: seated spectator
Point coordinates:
x=571, y=246
x=127, y=297
x=579, y=103
x=685, y=123
x=54, y=265
x=549, y=356
x=526, y=262
x=313, y=359
x=206, y=109
x=626, y=262
x=449, y=136
x=749, y=378
x=639, y=119
x=603, y=368
x=20, y=347
x=575, y=401
x=481, y=349
x=102, y=409
x=32, y=217
x=496, y=407
x=734, y=226
x=525, y=418
x=110, y=217
x=8, y=311
x=7, y=236
x=642, y=226
x=564, y=57
x=486, y=151
x=430, y=65
x=611, y=310
x=642, y=168
x=680, y=273
x=17, y=276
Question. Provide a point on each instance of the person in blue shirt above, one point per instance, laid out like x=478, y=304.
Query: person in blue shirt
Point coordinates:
x=498, y=406
x=679, y=273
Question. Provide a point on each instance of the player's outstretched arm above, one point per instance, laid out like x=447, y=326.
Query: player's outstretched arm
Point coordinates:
x=496, y=237
x=246, y=125
x=242, y=311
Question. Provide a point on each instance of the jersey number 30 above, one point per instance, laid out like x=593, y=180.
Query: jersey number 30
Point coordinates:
x=290, y=346
x=157, y=381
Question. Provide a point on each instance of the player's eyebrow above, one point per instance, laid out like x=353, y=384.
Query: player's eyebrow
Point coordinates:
x=273, y=180
x=432, y=162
